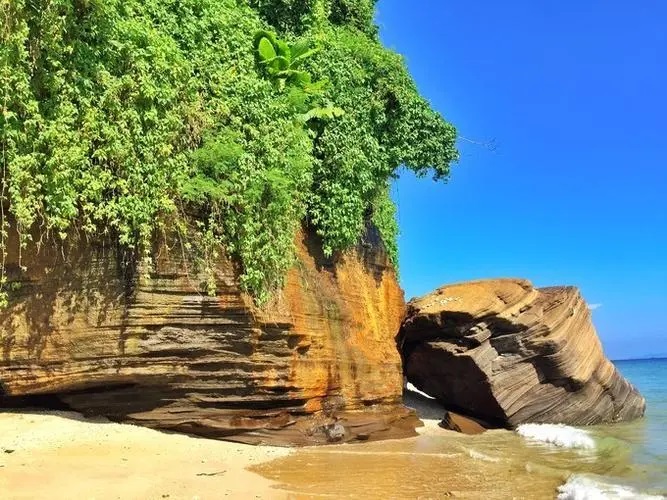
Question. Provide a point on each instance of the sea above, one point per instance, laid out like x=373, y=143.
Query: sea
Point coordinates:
x=619, y=461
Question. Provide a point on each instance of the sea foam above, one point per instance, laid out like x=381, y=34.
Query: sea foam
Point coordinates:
x=580, y=487
x=558, y=435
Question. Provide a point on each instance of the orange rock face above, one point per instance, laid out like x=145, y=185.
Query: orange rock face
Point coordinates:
x=318, y=364
x=508, y=353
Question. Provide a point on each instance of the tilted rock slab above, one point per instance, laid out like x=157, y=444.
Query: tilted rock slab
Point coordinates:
x=316, y=365
x=508, y=353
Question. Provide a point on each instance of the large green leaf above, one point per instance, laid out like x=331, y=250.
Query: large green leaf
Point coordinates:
x=300, y=47
x=296, y=61
x=277, y=64
x=283, y=63
x=283, y=49
x=263, y=34
x=266, y=50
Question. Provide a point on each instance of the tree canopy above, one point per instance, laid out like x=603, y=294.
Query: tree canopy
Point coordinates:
x=230, y=121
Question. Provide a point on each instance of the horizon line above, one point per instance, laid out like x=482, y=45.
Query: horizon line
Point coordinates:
x=658, y=357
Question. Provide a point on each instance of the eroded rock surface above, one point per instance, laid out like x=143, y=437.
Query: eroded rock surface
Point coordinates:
x=318, y=364
x=508, y=353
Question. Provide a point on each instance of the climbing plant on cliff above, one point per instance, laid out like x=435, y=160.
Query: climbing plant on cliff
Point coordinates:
x=122, y=118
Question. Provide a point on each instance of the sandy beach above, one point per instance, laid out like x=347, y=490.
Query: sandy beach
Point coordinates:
x=61, y=455
x=58, y=455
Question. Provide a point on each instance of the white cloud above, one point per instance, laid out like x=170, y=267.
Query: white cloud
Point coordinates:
x=593, y=307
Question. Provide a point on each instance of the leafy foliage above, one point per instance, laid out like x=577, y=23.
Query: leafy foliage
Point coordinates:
x=354, y=13
x=384, y=218
x=293, y=16
x=282, y=62
x=125, y=117
x=386, y=124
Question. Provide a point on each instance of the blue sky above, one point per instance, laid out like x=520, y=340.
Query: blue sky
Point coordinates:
x=574, y=96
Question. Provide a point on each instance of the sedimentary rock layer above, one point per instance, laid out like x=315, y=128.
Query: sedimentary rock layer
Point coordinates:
x=508, y=353
x=317, y=364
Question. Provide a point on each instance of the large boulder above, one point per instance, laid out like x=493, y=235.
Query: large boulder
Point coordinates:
x=86, y=331
x=508, y=353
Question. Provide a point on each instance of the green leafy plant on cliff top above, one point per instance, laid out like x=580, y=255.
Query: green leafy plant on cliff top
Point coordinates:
x=125, y=117
x=282, y=61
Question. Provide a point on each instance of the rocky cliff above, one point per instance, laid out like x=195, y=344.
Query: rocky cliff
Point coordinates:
x=318, y=364
x=509, y=353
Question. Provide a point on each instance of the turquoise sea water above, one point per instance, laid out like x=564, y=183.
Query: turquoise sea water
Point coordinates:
x=634, y=453
x=646, y=439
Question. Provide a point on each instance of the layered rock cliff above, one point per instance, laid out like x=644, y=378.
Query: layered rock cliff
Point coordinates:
x=318, y=364
x=508, y=353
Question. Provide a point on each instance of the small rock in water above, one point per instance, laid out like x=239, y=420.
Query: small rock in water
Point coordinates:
x=465, y=425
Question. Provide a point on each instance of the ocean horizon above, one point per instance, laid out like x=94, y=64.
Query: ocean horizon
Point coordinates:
x=650, y=358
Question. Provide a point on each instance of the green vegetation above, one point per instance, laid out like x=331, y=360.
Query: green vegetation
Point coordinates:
x=229, y=121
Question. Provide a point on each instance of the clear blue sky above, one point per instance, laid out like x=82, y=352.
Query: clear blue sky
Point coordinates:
x=574, y=94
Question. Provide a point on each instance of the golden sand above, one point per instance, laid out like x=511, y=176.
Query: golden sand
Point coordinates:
x=49, y=455
x=57, y=455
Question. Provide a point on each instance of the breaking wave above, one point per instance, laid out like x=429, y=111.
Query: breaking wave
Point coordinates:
x=580, y=487
x=558, y=435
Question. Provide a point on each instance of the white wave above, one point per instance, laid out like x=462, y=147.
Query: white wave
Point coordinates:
x=558, y=435
x=584, y=488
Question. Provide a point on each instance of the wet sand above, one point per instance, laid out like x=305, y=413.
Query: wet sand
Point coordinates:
x=59, y=455
x=436, y=464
